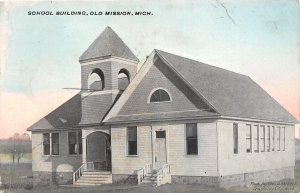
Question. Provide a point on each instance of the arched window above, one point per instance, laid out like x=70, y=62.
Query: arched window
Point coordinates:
x=160, y=95
x=96, y=80
x=123, y=79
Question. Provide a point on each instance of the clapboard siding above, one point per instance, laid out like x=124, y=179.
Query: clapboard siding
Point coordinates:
x=54, y=163
x=123, y=164
x=230, y=163
x=203, y=164
x=182, y=98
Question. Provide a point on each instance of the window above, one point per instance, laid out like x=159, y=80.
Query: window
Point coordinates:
x=262, y=133
x=160, y=134
x=268, y=135
x=273, y=138
x=249, y=139
x=256, y=138
x=283, y=138
x=235, y=138
x=160, y=95
x=51, y=143
x=55, y=143
x=132, y=140
x=46, y=143
x=278, y=138
x=75, y=143
x=191, y=139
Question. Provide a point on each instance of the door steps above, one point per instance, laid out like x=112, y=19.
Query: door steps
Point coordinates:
x=94, y=178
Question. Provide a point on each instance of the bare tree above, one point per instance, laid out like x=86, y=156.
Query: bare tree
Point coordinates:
x=18, y=145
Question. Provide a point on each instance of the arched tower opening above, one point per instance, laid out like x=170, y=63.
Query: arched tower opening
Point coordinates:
x=96, y=80
x=123, y=79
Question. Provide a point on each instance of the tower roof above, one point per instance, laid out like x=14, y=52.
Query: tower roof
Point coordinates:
x=108, y=43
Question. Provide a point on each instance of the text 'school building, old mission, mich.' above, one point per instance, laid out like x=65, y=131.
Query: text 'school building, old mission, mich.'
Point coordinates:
x=175, y=120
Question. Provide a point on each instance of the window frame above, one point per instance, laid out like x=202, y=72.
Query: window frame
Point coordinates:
x=127, y=142
x=262, y=136
x=47, y=144
x=191, y=138
x=249, y=138
x=156, y=89
x=278, y=131
x=273, y=138
x=283, y=137
x=55, y=143
x=268, y=138
x=78, y=144
x=235, y=131
x=256, y=138
x=51, y=144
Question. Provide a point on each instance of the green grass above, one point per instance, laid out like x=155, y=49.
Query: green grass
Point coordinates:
x=173, y=188
x=7, y=158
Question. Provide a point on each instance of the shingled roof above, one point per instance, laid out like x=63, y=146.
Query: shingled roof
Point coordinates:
x=231, y=94
x=108, y=43
x=67, y=115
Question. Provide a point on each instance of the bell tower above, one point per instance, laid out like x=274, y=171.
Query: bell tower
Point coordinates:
x=106, y=59
x=107, y=67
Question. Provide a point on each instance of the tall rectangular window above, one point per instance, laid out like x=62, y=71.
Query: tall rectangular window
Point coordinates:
x=268, y=135
x=256, y=138
x=55, y=143
x=278, y=138
x=132, y=140
x=273, y=138
x=191, y=139
x=235, y=138
x=75, y=143
x=80, y=142
x=282, y=141
x=248, y=139
x=46, y=143
x=262, y=133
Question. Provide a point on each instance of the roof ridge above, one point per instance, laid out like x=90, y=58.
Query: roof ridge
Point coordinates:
x=157, y=50
x=108, y=43
x=183, y=78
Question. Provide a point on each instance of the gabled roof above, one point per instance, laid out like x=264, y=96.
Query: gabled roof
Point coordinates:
x=229, y=93
x=67, y=115
x=108, y=43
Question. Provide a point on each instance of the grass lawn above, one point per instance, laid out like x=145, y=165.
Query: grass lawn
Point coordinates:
x=173, y=188
x=7, y=158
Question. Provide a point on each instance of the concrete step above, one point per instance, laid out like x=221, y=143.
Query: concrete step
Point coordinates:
x=96, y=176
x=86, y=184
x=97, y=172
x=150, y=178
x=96, y=181
x=148, y=181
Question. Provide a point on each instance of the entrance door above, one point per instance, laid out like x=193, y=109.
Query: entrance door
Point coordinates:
x=160, y=149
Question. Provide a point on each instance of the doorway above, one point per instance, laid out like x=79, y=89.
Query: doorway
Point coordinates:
x=160, y=149
x=98, y=151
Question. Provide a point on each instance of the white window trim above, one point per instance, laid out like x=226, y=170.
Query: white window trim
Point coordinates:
x=77, y=135
x=50, y=140
x=159, y=88
x=137, y=143
x=185, y=142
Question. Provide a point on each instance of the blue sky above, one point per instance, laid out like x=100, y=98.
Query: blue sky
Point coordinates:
x=257, y=38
